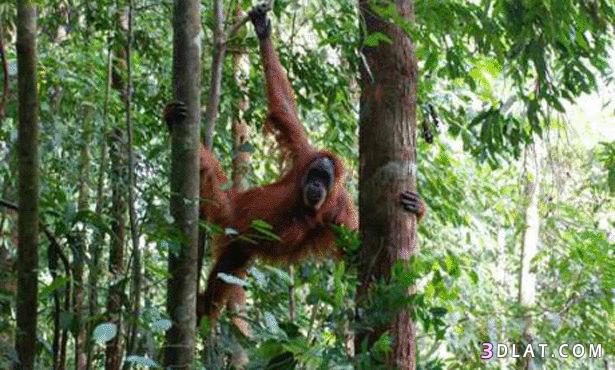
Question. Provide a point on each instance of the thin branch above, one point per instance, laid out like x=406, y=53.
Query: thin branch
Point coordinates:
x=239, y=23
x=291, y=295
x=315, y=308
x=58, y=249
x=236, y=27
x=9, y=205
x=52, y=239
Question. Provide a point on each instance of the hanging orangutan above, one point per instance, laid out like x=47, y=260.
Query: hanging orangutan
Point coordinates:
x=301, y=207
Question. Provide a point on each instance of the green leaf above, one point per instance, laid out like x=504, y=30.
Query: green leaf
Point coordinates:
x=162, y=325
x=375, y=38
x=260, y=278
x=230, y=231
x=611, y=180
x=264, y=229
x=142, y=360
x=283, y=275
x=438, y=311
x=231, y=279
x=246, y=148
x=104, y=332
x=56, y=284
x=473, y=276
x=271, y=323
x=67, y=320
x=205, y=326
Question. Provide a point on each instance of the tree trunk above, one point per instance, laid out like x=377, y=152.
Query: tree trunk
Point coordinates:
x=241, y=157
x=134, y=227
x=387, y=147
x=217, y=68
x=5, y=75
x=117, y=157
x=240, y=167
x=28, y=186
x=213, y=105
x=527, y=278
x=81, y=242
x=181, y=290
x=95, y=247
x=116, y=252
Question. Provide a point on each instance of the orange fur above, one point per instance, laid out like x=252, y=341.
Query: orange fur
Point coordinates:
x=301, y=232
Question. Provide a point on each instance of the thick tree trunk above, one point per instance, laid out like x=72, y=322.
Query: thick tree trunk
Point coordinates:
x=28, y=186
x=387, y=147
x=181, y=290
x=527, y=278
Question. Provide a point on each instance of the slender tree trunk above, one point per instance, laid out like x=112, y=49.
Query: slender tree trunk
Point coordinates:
x=116, y=252
x=527, y=278
x=502, y=275
x=95, y=247
x=213, y=104
x=117, y=157
x=241, y=130
x=181, y=290
x=8, y=279
x=81, y=243
x=64, y=337
x=217, y=67
x=240, y=167
x=52, y=259
x=5, y=74
x=54, y=255
x=387, y=147
x=134, y=227
x=28, y=186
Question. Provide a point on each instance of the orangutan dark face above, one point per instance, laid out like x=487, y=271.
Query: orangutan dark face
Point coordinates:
x=317, y=182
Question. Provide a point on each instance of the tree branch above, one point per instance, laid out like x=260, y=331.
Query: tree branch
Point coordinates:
x=239, y=23
x=217, y=64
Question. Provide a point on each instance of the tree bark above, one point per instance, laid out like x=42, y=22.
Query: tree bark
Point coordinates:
x=81, y=242
x=95, y=247
x=217, y=68
x=28, y=186
x=5, y=74
x=387, y=149
x=527, y=278
x=241, y=130
x=181, y=290
x=134, y=226
x=116, y=252
x=118, y=179
x=213, y=105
